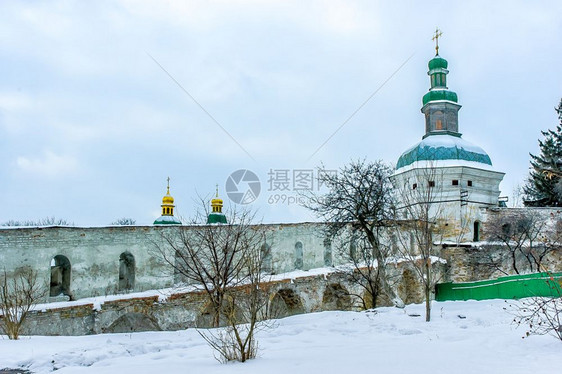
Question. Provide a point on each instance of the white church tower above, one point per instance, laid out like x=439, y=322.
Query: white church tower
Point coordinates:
x=452, y=174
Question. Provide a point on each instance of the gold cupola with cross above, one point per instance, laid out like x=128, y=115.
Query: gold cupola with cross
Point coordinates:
x=167, y=217
x=216, y=215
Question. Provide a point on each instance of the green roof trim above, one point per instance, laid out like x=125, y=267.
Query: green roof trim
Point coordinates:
x=216, y=218
x=430, y=149
x=437, y=95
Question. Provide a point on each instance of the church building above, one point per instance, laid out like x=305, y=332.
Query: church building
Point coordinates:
x=454, y=175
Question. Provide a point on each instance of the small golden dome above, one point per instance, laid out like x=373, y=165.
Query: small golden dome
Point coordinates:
x=167, y=199
x=216, y=203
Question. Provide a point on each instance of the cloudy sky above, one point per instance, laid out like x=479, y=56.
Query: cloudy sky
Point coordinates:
x=93, y=119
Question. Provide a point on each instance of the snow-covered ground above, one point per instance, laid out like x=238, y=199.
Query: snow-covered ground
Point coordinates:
x=463, y=337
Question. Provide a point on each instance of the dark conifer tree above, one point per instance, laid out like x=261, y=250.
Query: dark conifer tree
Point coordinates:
x=544, y=185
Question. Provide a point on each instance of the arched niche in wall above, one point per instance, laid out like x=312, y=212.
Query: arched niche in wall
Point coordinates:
x=267, y=258
x=285, y=302
x=60, y=276
x=299, y=256
x=126, y=271
x=336, y=297
x=328, y=261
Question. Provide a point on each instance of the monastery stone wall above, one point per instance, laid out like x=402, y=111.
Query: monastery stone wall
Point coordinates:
x=182, y=310
x=94, y=253
x=94, y=256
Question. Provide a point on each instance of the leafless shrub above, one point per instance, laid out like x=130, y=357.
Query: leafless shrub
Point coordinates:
x=227, y=262
x=19, y=292
x=245, y=313
x=540, y=315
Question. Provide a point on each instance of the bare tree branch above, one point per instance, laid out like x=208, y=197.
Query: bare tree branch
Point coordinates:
x=358, y=208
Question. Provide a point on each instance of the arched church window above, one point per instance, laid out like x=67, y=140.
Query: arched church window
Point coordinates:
x=126, y=271
x=437, y=121
x=60, y=276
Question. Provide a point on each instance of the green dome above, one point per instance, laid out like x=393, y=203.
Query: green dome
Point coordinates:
x=451, y=149
x=167, y=220
x=216, y=218
x=437, y=63
x=436, y=95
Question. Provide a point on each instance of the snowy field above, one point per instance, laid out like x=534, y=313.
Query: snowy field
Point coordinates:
x=388, y=341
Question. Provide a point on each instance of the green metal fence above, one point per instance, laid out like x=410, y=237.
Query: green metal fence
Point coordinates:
x=510, y=287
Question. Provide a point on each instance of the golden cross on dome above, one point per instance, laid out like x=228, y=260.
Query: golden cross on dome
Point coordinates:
x=217, y=190
x=168, y=184
x=438, y=33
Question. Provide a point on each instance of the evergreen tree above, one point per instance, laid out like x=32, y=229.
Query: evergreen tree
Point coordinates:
x=544, y=185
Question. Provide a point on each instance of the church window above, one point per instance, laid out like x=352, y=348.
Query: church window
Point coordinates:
x=414, y=186
x=431, y=183
x=469, y=183
x=476, y=235
x=438, y=125
x=455, y=182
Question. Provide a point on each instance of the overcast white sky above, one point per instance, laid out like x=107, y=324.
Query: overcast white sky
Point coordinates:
x=91, y=127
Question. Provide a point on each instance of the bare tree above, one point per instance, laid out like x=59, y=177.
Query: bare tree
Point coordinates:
x=19, y=292
x=528, y=237
x=227, y=262
x=358, y=208
x=422, y=212
x=47, y=221
x=124, y=222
